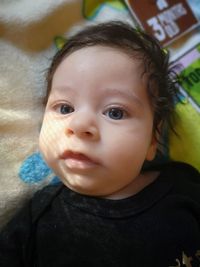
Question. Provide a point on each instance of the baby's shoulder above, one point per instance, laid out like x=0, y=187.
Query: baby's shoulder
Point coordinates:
x=184, y=173
x=43, y=198
x=185, y=179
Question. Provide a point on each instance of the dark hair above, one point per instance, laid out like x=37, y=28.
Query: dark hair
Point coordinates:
x=161, y=82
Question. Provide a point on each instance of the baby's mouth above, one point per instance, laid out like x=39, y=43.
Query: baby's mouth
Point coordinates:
x=76, y=160
x=75, y=155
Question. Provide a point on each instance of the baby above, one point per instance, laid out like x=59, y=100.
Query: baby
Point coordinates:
x=109, y=93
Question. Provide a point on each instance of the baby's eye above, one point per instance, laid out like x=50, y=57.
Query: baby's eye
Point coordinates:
x=65, y=109
x=115, y=113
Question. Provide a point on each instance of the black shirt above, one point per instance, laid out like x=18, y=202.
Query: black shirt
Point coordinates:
x=158, y=227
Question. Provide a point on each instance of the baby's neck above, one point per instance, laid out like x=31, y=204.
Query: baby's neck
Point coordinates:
x=139, y=183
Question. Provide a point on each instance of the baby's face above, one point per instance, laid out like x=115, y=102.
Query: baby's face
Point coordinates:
x=97, y=128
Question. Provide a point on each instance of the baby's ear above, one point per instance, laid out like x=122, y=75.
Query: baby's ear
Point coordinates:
x=151, y=152
x=156, y=136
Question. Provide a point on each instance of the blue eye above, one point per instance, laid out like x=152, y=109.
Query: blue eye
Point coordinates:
x=66, y=109
x=115, y=113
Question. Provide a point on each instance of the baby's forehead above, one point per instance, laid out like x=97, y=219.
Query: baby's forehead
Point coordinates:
x=114, y=65
x=103, y=56
x=95, y=50
x=105, y=60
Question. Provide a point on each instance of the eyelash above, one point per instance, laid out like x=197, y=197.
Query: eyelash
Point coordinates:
x=58, y=108
x=70, y=108
x=122, y=115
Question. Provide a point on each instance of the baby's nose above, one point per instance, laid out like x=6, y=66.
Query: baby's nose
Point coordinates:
x=83, y=125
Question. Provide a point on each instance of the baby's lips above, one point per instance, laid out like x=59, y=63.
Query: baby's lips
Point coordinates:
x=77, y=155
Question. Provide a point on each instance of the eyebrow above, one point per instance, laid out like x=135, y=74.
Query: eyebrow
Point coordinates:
x=121, y=93
x=106, y=92
x=62, y=90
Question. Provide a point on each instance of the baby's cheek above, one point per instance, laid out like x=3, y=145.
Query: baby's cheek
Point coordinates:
x=42, y=144
x=45, y=139
x=50, y=129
